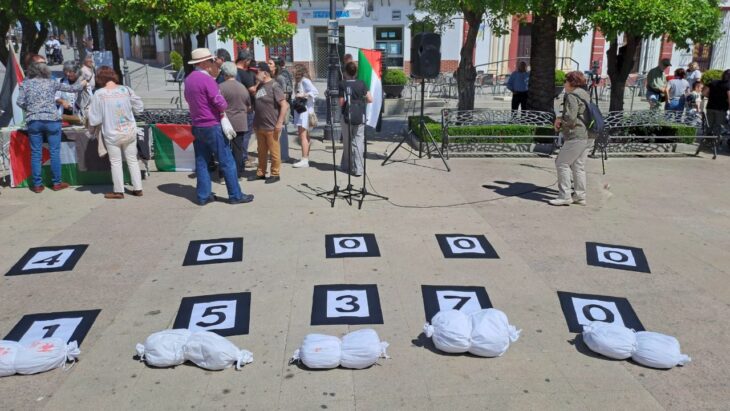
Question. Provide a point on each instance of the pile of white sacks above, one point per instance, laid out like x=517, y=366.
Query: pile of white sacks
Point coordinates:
x=39, y=356
x=647, y=348
x=486, y=333
x=358, y=349
x=205, y=349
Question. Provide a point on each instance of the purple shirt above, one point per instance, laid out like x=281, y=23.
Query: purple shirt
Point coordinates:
x=204, y=99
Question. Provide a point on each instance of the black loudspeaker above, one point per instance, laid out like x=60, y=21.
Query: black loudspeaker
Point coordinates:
x=426, y=55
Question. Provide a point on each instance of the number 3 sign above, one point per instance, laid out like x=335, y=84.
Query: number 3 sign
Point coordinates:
x=223, y=314
x=346, y=304
x=48, y=259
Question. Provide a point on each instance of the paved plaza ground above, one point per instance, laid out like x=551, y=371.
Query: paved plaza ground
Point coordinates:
x=675, y=209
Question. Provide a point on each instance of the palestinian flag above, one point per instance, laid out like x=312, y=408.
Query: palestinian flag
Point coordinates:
x=370, y=71
x=11, y=114
x=21, y=174
x=173, y=147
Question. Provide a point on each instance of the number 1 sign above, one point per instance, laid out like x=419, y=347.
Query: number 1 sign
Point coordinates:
x=68, y=326
x=223, y=314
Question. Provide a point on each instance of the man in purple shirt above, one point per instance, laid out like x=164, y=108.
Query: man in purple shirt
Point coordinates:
x=207, y=107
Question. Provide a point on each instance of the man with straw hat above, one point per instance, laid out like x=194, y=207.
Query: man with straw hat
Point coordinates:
x=207, y=109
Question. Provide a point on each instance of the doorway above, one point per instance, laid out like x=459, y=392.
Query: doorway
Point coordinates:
x=524, y=43
x=321, y=50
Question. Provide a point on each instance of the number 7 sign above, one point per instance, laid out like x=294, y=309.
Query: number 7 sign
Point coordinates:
x=453, y=297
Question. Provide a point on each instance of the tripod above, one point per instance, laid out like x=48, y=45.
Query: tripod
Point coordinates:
x=593, y=89
x=350, y=193
x=423, y=132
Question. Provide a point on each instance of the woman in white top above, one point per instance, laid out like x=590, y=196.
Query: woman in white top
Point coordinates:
x=113, y=107
x=305, y=89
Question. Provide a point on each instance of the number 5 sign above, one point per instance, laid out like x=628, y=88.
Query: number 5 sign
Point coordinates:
x=68, y=326
x=223, y=314
x=48, y=259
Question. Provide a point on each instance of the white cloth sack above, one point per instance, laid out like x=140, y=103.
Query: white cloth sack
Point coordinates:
x=227, y=127
x=610, y=339
x=164, y=348
x=319, y=351
x=450, y=331
x=658, y=350
x=491, y=333
x=44, y=355
x=211, y=351
x=362, y=348
x=8, y=351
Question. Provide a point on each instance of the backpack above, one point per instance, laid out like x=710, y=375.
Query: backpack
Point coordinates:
x=592, y=118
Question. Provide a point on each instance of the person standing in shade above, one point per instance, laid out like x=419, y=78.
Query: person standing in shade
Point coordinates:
x=694, y=74
x=239, y=105
x=718, y=103
x=304, y=89
x=207, y=108
x=113, y=108
x=573, y=153
x=221, y=56
x=656, y=84
x=677, y=91
x=284, y=78
x=353, y=98
x=248, y=79
x=37, y=97
x=271, y=109
x=518, y=84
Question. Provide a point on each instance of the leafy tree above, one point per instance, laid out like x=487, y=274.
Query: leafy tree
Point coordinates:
x=635, y=20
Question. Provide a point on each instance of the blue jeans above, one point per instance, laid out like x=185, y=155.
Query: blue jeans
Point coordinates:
x=51, y=130
x=675, y=104
x=210, y=141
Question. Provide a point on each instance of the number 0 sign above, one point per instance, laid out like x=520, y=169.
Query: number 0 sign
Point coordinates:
x=223, y=314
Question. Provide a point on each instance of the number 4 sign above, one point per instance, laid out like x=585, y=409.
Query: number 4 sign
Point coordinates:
x=48, y=259
x=68, y=326
x=223, y=314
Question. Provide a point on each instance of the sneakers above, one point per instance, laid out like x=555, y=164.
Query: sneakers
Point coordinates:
x=114, y=196
x=303, y=163
x=561, y=201
x=59, y=186
x=246, y=198
x=37, y=189
x=272, y=180
x=579, y=201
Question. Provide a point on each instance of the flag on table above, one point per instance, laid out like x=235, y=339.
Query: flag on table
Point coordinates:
x=369, y=71
x=173, y=147
x=21, y=174
x=11, y=114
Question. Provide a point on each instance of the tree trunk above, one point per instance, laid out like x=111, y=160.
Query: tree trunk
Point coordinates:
x=620, y=68
x=4, y=47
x=541, y=91
x=466, y=74
x=110, y=44
x=32, y=39
x=79, y=43
x=94, y=28
x=187, y=52
x=201, y=37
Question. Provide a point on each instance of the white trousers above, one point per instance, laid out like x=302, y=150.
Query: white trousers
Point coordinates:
x=115, y=158
x=571, y=163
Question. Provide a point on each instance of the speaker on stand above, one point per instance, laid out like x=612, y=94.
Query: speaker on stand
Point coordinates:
x=425, y=63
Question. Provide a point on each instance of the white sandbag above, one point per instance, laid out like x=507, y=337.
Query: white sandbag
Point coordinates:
x=491, y=333
x=610, y=339
x=211, y=351
x=8, y=351
x=450, y=331
x=658, y=350
x=319, y=351
x=164, y=348
x=362, y=348
x=44, y=355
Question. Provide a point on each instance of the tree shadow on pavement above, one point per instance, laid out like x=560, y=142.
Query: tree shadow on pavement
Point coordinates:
x=527, y=191
x=179, y=190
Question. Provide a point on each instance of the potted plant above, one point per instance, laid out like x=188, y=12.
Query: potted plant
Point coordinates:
x=559, y=82
x=394, y=81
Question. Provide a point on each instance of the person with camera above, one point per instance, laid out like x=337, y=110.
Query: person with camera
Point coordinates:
x=353, y=98
x=656, y=84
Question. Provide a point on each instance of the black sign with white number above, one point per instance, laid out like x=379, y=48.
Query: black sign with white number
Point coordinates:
x=617, y=256
x=221, y=250
x=48, y=259
x=465, y=246
x=68, y=326
x=582, y=309
x=351, y=245
x=223, y=314
x=346, y=304
x=453, y=297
